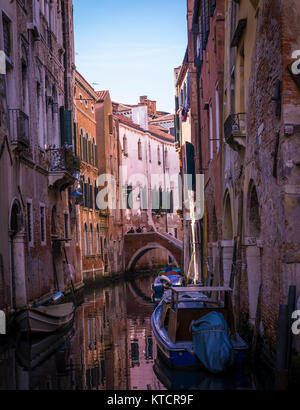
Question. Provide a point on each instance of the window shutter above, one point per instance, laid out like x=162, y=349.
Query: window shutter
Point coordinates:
x=96, y=156
x=190, y=163
x=66, y=127
x=86, y=195
x=85, y=150
x=91, y=198
x=212, y=7
x=171, y=203
x=89, y=152
x=144, y=199
x=96, y=193
x=75, y=137
x=81, y=147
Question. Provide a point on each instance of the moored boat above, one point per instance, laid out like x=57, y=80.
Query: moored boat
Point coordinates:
x=164, y=282
x=172, y=322
x=45, y=319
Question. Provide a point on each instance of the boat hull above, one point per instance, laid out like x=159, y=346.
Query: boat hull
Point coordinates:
x=37, y=321
x=181, y=355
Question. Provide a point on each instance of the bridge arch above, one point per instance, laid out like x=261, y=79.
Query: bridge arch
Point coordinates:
x=147, y=248
x=137, y=245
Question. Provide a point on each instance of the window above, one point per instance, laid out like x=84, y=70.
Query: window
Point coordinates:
x=29, y=222
x=91, y=240
x=43, y=224
x=86, y=104
x=98, y=240
x=166, y=159
x=125, y=149
x=96, y=190
x=86, y=241
x=93, y=109
x=129, y=199
x=80, y=98
x=211, y=138
x=66, y=225
x=140, y=150
x=217, y=119
x=158, y=155
x=6, y=36
x=101, y=247
x=110, y=119
x=150, y=152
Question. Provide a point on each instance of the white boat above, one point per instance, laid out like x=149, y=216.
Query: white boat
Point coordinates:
x=45, y=319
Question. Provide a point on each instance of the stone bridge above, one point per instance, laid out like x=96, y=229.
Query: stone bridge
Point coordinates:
x=137, y=244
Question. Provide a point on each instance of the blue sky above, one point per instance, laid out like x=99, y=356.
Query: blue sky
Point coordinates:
x=131, y=47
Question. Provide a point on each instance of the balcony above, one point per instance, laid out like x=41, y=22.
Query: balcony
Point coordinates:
x=61, y=165
x=19, y=129
x=235, y=131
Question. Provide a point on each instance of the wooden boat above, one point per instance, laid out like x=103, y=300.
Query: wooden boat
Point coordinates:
x=45, y=319
x=172, y=319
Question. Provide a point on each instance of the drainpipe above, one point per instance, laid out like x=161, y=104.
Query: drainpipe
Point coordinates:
x=164, y=170
x=200, y=169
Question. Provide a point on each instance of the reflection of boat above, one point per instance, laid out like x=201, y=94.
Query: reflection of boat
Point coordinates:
x=45, y=319
x=165, y=281
x=172, y=319
x=183, y=379
x=31, y=353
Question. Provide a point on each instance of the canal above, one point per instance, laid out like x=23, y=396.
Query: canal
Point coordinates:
x=109, y=347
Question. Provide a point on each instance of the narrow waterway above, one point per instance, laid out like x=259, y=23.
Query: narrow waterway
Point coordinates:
x=109, y=347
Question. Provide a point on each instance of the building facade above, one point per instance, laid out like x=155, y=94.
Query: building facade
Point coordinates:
x=89, y=236
x=261, y=126
x=37, y=159
x=109, y=157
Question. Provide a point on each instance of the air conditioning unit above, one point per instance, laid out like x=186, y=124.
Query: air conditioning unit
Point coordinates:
x=34, y=25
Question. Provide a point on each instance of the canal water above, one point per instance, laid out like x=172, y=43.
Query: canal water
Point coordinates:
x=110, y=346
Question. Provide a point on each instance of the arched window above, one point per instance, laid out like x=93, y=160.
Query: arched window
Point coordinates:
x=158, y=155
x=91, y=240
x=140, y=150
x=125, y=148
x=86, y=240
x=149, y=147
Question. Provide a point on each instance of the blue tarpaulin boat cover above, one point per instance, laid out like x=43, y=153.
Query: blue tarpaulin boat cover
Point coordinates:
x=211, y=342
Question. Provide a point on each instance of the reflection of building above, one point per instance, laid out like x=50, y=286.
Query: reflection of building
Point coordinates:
x=37, y=162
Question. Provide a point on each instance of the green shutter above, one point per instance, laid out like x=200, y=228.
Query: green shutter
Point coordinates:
x=75, y=137
x=66, y=127
x=81, y=147
x=96, y=156
x=91, y=197
x=62, y=127
x=90, y=152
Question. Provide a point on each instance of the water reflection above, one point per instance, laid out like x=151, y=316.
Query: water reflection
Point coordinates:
x=109, y=346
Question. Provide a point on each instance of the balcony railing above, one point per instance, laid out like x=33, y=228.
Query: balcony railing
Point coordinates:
x=61, y=165
x=62, y=159
x=19, y=127
x=235, y=130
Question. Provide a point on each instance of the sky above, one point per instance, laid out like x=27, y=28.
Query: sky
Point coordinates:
x=131, y=47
